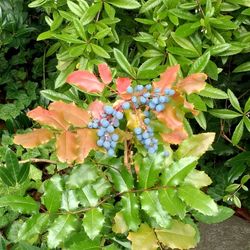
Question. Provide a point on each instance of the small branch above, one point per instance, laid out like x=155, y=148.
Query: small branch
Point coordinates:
x=37, y=160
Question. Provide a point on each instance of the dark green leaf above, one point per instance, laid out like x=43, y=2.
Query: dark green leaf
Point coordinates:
x=6, y=177
x=187, y=29
x=55, y=96
x=247, y=122
x=224, y=113
x=233, y=100
x=212, y=92
x=244, y=67
x=238, y=132
x=200, y=64
x=23, y=172
x=12, y=165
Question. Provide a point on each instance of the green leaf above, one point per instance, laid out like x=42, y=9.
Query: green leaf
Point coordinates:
x=187, y=29
x=125, y=4
x=123, y=62
x=246, y=12
x=69, y=200
x=52, y=194
x=233, y=100
x=60, y=80
x=67, y=38
x=247, y=105
x=23, y=172
x=93, y=222
x=200, y=63
x=81, y=175
x=91, y=13
x=224, y=213
x=6, y=177
x=172, y=203
x=75, y=8
x=217, y=49
x=224, y=113
x=102, y=33
x=201, y=120
x=247, y=122
x=238, y=132
x=34, y=226
x=183, y=14
x=37, y=3
x=198, y=179
x=130, y=211
x=198, y=200
x=61, y=229
x=177, y=172
x=195, y=145
x=25, y=205
x=87, y=196
x=79, y=28
x=180, y=235
x=12, y=164
x=241, y=2
x=212, y=92
x=99, y=51
x=149, y=5
x=56, y=96
x=146, y=235
x=237, y=201
x=151, y=205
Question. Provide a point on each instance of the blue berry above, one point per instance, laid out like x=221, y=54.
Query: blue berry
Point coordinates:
x=159, y=107
x=110, y=129
x=119, y=115
x=155, y=100
x=100, y=142
x=90, y=125
x=130, y=90
x=152, y=105
x=166, y=153
x=157, y=90
x=139, y=137
x=113, y=144
x=138, y=131
x=126, y=105
x=147, y=141
x=106, y=144
x=163, y=99
x=111, y=152
x=101, y=132
x=108, y=110
x=148, y=86
x=139, y=88
x=104, y=123
x=146, y=113
x=171, y=92
x=134, y=99
x=115, y=137
x=95, y=125
x=146, y=95
x=143, y=100
x=151, y=150
x=145, y=135
x=146, y=121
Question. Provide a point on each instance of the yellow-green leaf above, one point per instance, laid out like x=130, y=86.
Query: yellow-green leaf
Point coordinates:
x=198, y=179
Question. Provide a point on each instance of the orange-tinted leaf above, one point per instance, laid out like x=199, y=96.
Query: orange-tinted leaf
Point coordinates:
x=175, y=137
x=86, y=81
x=170, y=118
x=34, y=138
x=167, y=78
x=71, y=113
x=96, y=109
x=105, y=73
x=86, y=139
x=192, y=83
x=49, y=118
x=67, y=147
x=122, y=83
x=190, y=107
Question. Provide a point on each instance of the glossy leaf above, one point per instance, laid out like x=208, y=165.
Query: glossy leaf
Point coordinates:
x=224, y=113
x=212, y=92
x=244, y=67
x=195, y=145
x=87, y=196
x=198, y=179
x=125, y=4
x=149, y=5
x=238, y=132
x=105, y=73
x=247, y=122
x=151, y=205
x=85, y=81
x=99, y=51
x=180, y=235
x=119, y=225
x=69, y=200
x=233, y=100
x=146, y=235
x=247, y=105
x=34, y=138
x=12, y=165
x=198, y=200
x=61, y=229
x=25, y=205
x=93, y=222
x=200, y=64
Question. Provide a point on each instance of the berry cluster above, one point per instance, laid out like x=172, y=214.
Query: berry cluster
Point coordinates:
x=146, y=96
x=106, y=129
x=146, y=137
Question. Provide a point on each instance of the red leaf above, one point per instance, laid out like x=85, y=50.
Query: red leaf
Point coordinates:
x=71, y=113
x=49, y=118
x=86, y=141
x=105, y=73
x=34, y=138
x=175, y=137
x=67, y=147
x=96, y=109
x=167, y=78
x=192, y=83
x=170, y=118
x=122, y=83
x=86, y=81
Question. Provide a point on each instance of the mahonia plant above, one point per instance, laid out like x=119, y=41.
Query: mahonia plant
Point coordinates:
x=132, y=190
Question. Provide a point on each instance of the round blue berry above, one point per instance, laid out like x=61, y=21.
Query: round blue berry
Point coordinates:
x=139, y=88
x=115, y=137
x=106, y=144
x=155, y=100
x=90, y=125
x=110, y=129
x=148, y=86
x=146, y=113
x=104, y=123
x=129, y=90
x=126, y=105
x=145, y=135
x=134, y=99
x=152, y=105
x=147, y=142
x=146, y=121
x=139, y=137
x=119, y=115
x=143, y=100
x=100, y=142
x=146, y=95
x=163, y=99
x=113, y=144
x=171, y=92
x=108, y=110
x=95, y=125
x=101, y=132
x=160, y=107
x=151, y=150
x=138, y=131
x=116, y=123
x=157, y=90
x=111, y=152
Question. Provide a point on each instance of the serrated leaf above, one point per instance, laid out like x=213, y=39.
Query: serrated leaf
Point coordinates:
x=52, y=194
x=224, y=213
x=212, y=92
x=93, y=222
x=180, y=235
x=151, y=205
x=233, y=100
x=224, y=113
x=198, y=200
x=200, y=64
x=34, y=226
x=195, y=145
x=238, y=132
x=61, y=229
x=172, y=203
x=125, y=4
x=119, y=225
x=244, y=67
x=149, y=5
x=25, y=205
x=178, y=171
x=198, y=179
x=87, y=196
x=123, y=62
x=69, y=200
x=146, y=235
